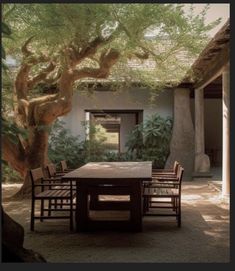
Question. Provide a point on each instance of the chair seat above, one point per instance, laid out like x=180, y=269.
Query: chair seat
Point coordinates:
x=55, y=194
x=160, y=192
x=64, y=187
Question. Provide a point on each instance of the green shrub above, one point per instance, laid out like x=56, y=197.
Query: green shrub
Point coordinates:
x=150, y=140
x=64, y=146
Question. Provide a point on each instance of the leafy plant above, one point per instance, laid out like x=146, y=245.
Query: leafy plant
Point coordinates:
x=63, y=145
x=115, y=157
x=150, y=140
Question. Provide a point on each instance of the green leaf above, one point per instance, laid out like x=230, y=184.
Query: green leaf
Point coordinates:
x=6, y=29
x=3, y=53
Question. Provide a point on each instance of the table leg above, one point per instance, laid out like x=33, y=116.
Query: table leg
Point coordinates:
x=136, y=206
x=82, y=213
x=94, y=201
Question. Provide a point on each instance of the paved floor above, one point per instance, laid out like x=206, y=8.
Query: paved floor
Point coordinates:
x=203, y=237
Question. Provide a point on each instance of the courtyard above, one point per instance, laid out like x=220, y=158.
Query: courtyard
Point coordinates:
x=116, y=100
x=204, y=236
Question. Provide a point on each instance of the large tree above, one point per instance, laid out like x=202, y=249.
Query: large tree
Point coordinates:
x=60, y=45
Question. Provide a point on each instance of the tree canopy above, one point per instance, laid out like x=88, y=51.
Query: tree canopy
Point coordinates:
x=63, y=47
x=153, y=40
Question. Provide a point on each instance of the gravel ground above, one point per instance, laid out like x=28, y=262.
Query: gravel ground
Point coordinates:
x=203, y=237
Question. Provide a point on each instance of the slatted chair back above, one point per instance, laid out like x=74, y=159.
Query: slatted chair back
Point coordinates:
x=51, y=169
x=63, y=165
x=36, y=175
x=180, y=173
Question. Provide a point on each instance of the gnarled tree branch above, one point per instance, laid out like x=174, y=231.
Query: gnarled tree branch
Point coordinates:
x=107, y=60
x=25, y=50
x=41, y=76
x=13, y=154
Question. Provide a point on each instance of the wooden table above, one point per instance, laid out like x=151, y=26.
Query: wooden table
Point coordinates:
x=110, y=178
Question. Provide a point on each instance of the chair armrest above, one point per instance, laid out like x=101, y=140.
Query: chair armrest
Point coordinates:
x=170, y=178
x=163, y=170
x=163, y=174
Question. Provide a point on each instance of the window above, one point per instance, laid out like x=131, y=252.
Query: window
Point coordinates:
x=115, y=126
x=108, y=126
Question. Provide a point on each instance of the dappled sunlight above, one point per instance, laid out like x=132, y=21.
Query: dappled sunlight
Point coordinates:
x=205, y=224
x=191, y=197
x=216, y=218
x=216, y=231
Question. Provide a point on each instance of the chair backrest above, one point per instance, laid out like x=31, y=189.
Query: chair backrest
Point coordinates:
x=175, y=167
x=180, y=173
x=51, y=169
x=63, y=165
x=36, y=175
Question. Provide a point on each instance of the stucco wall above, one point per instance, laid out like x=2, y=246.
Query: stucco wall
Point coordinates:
x=129, y=99
x=127, y=124
x=213, y=125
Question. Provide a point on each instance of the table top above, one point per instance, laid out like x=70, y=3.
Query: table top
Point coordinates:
x=112, y=170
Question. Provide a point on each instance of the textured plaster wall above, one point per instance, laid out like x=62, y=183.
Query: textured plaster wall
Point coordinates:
x=213, y=125
x=129, y=99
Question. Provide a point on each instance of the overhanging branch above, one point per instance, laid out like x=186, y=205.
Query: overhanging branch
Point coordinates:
x=107, y=60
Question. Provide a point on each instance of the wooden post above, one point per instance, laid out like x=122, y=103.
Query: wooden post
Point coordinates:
x=226, y=130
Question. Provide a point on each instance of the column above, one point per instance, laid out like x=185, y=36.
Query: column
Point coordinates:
x=202, y=161
x=226, y=130
x=182, y=140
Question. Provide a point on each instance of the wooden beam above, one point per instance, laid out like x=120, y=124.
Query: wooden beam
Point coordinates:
x=215, y=68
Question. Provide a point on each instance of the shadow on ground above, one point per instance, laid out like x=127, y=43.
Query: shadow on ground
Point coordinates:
x=203, y=237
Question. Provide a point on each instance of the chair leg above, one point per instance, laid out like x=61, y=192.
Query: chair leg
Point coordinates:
x=49, y=207
x=32, y=215
x=42, y=210
x=144, y=205
x=179, y=214
x=71, y=214
x=172, y=202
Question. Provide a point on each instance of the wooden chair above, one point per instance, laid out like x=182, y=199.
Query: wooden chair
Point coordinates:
x=51, y=190
x=170, y=190
x=55, y=176
x=52, y=173
x=167, y=172
x=64, y=167
x=166, y=175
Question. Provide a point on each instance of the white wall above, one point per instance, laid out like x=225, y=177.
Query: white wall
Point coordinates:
x=127, y=125
x=213, y=124
x=129, y=99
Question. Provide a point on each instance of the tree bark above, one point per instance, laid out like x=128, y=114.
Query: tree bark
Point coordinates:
x=37, y=114
x=32, y=156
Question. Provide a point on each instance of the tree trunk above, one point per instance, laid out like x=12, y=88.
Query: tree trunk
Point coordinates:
x=36, y=157
x=39, y=112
